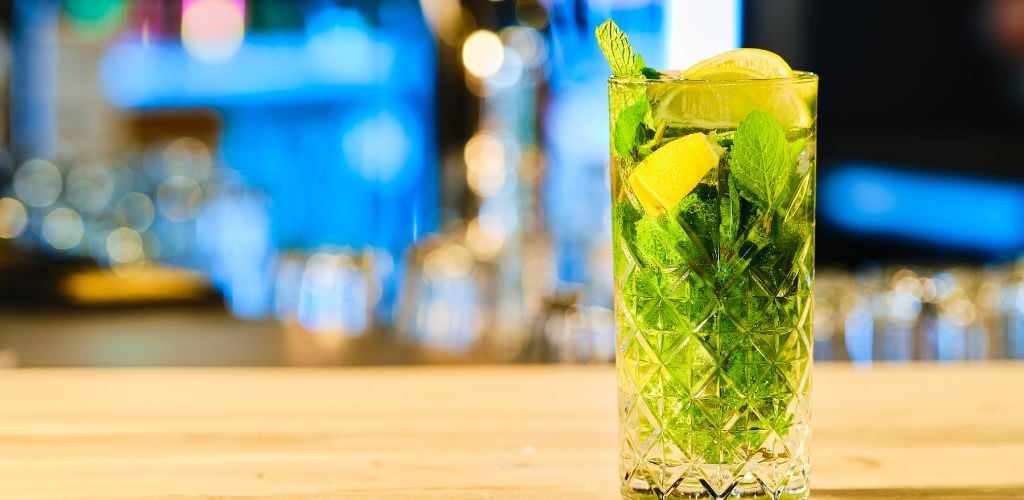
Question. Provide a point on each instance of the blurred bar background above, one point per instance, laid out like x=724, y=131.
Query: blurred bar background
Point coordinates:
x=320, y=182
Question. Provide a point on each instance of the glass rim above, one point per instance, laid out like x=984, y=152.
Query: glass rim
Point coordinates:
x=673, y=78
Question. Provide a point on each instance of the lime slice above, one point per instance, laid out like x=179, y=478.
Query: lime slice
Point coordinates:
x=668, y=174
x=759, y=62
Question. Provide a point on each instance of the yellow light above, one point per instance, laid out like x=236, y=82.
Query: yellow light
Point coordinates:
x=13, y=218
x=124, y=245
x=153, y=284
x=63, y=228
x=485, y=164
x=449, y=20
x=486, y=236
x=212, y=30
x=483, y=54
x=456, y=22
x=450, y=261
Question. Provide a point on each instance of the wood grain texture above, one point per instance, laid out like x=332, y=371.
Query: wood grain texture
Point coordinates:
x=518, y=432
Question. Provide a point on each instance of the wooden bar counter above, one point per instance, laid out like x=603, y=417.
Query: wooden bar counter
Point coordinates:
x=516, y=432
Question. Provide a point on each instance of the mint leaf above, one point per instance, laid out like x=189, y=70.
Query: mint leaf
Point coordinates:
x=628, y=129
x=760, y=159
x=616, y=48
x=656, y=241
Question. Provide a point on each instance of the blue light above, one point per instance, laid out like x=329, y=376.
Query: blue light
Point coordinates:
x=335, y=125
x=268, y=68
x=576, y=194
x=945, y=210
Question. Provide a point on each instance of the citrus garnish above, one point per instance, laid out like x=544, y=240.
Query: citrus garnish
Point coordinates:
x=758, y=63
x=723, y=106
x=728, y=72
x=672, y=171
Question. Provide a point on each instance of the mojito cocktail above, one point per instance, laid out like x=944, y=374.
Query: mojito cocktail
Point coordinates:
x=713, y=185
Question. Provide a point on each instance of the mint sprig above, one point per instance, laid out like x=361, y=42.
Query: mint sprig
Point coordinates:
x=625, y=63
x=619, y=53
x=631, y=109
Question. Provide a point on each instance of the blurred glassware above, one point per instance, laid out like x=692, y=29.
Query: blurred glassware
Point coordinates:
x=955, y=313
x=444, y=301
x=337, y=294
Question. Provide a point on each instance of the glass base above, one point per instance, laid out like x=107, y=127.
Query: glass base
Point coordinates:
x=747, y=487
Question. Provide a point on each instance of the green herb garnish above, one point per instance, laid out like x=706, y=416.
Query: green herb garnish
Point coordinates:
x=617, y=50
x=761, y=157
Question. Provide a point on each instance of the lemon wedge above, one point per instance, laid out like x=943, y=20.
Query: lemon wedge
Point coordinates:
x=757, y=63
x=668, y=174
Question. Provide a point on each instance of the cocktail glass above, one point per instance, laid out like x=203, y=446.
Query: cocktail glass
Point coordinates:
x=713, y=187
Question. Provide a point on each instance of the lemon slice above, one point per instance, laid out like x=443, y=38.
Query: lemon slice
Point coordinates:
x=724, y=106
x=662, y=179
x=762, y=63
x=746, y=75
x=727, y=72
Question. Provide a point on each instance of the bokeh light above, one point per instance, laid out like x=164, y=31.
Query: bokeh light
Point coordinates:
x=38, y=183
x=450, y=261
x=13, y=218
x=63, y=228
x=449, y=20
x=532, y=13
x=212, y=30
x=455, y=24
x=94, y=18
x=486, y=236
x=336, y=30
x=483, y=53
x=90, y=188
x=189, y=157
x=485, y=164
x=510, y=72
x=378, y=147
x=528, y=44
x=178, y=198
x=124, y=245
x=135, y=210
